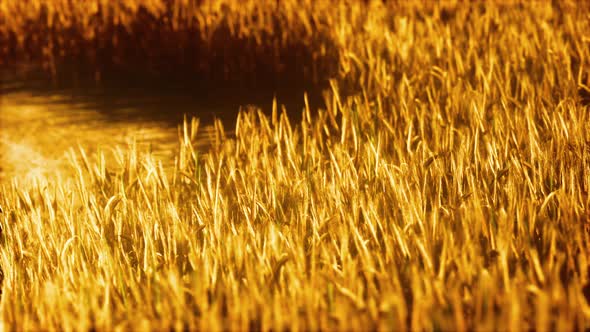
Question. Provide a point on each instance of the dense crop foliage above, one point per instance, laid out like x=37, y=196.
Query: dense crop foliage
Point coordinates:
x=445, y=185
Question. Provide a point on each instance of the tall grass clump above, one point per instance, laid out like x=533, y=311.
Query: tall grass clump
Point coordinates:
x=221, y=42
x=443, y=187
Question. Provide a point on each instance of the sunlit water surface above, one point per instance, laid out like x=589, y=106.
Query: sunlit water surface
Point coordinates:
x=39, y=133
x=43, y=124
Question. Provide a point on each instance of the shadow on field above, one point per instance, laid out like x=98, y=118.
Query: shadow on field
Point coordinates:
x=163, y=98
x=160, y=63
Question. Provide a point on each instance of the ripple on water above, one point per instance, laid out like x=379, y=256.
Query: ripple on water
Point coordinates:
x=37, y=133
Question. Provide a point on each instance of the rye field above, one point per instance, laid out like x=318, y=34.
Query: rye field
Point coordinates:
x=442, y=184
